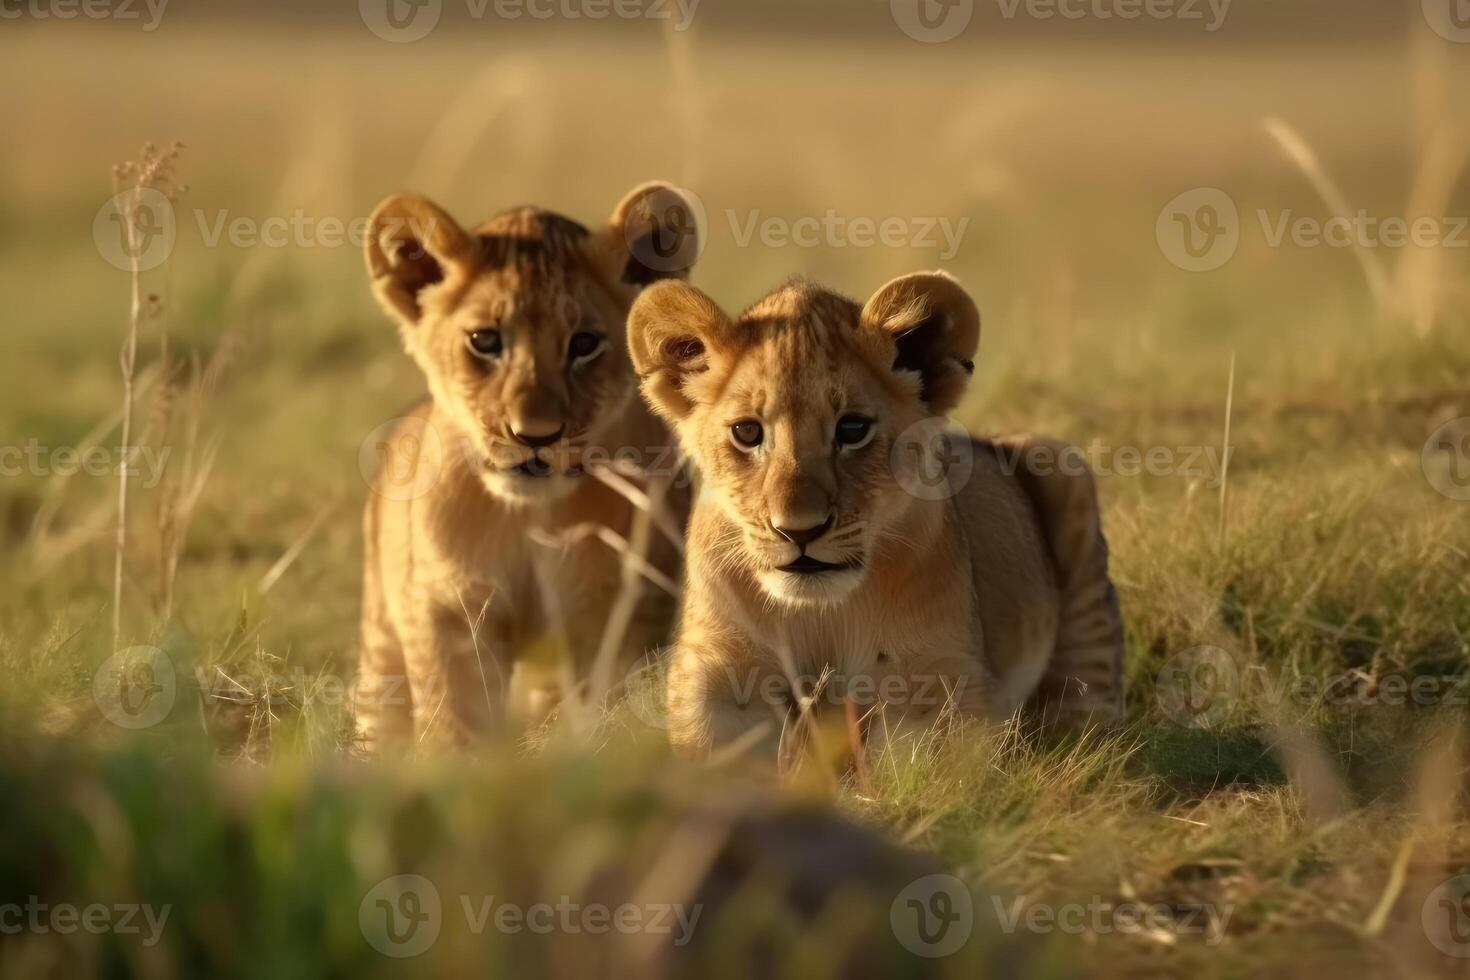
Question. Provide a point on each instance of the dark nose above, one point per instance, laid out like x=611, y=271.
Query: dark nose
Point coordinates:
x=536, y=440
x=803, y=536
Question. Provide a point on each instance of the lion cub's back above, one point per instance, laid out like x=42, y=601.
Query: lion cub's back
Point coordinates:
x=1015, y=578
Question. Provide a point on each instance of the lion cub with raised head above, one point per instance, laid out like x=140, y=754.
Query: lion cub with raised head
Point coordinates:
x=844, y=544
x=473, y=534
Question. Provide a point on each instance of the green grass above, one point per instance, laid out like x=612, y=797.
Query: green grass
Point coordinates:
x=1304, y=832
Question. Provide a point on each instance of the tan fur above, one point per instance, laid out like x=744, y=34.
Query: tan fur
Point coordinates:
x=469, y=560
x=985, y=588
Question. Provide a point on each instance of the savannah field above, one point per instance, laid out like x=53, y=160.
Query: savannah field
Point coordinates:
x=1286, y=495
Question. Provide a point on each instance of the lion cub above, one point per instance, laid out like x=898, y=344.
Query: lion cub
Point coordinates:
x=486, y=531
x=845, y=550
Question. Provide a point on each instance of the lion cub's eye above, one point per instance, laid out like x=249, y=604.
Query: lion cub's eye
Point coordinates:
x=853, y=430
x=485, y=343
x=747, y=434
x=584, y=345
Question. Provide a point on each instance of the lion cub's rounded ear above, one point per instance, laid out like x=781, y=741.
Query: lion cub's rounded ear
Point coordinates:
x=656, y=232
x=934, y=329
x=412, y=245
x=672, y=330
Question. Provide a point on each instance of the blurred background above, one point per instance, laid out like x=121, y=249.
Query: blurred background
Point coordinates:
x=1141, y=196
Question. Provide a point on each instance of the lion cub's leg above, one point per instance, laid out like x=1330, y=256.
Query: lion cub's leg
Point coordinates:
x=917, y=693
x=382, y=707
x=458, y=666
x=1083, y=683
x=719, y=697
x=382, y=704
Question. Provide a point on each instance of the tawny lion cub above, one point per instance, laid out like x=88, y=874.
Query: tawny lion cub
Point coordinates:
x=486, y=530
x=841, y=542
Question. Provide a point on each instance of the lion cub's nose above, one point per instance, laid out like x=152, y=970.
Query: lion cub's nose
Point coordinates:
x=536, y=434
x=801, y=536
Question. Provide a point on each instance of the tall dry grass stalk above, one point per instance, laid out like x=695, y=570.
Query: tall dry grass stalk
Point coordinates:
x=482, y=108
x=679, y=46
x=181, y=491
x=1418, y=287
x=153, y=172
x=1225, y=454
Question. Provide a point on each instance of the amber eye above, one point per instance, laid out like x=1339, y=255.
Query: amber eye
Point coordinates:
x=485, y=343
x=853, y=430
x=583, y=345
x=747, y=434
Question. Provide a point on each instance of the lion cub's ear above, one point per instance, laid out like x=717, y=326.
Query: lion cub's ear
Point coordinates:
x=933, y=327
x=654, y=233
x=673, y=330
x=413, y=246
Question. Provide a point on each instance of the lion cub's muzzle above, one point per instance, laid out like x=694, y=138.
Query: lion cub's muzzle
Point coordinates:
x=811, y=565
